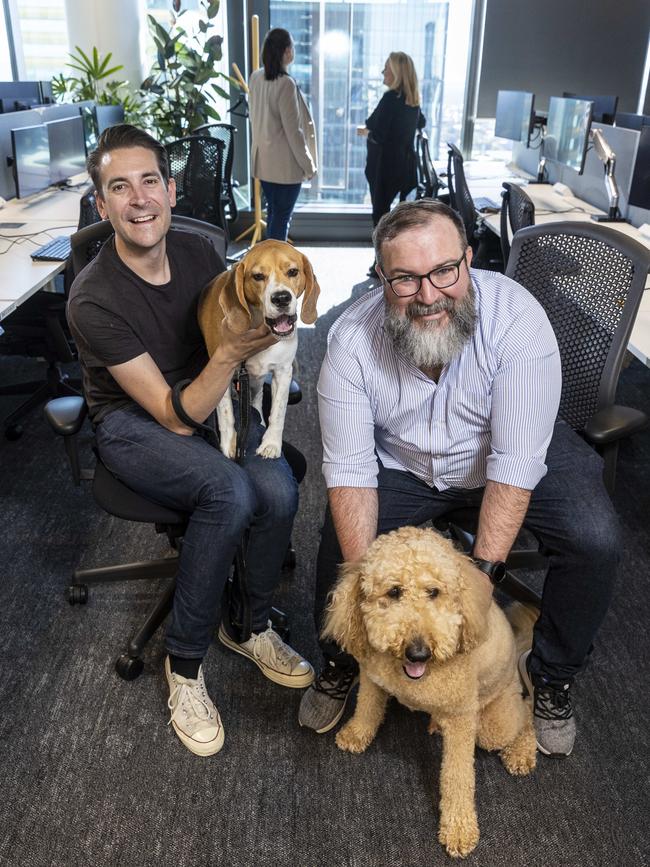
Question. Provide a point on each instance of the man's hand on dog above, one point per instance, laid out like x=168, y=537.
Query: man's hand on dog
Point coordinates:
x=235, y=348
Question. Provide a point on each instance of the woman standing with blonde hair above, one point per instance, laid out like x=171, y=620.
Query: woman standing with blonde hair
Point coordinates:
x=390, y=165
x=283, y=152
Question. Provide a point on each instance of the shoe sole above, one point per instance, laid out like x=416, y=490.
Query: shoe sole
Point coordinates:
x=295, y=681
x=330, y=725
x=528, y=686
x=209, y=748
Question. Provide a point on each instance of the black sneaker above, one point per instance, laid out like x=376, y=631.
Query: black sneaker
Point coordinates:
x=555, y=726
x=322, y=705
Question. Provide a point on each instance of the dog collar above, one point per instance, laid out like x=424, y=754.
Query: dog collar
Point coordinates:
x=496, y=571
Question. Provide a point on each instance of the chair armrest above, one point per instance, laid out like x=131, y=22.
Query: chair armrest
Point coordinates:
x=66, y=415
x=613, y=423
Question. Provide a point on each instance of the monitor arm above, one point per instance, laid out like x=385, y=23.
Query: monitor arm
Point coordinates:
x=607, y=156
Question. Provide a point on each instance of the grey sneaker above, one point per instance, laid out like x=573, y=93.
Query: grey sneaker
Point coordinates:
x=194, y=717
x=277, y=661
x=323, y=703
x=555, y=726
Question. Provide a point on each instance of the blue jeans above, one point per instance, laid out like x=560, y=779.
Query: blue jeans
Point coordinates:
x=223, y=500
x=571, y=514
x=280, y=202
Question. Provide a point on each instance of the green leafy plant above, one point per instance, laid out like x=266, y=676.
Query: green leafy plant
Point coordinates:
x=93, y=83
x=182, y=82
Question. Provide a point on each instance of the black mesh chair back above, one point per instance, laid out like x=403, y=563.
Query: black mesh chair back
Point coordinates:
x=196, y=163
x=589, y=279
x=225, y=132
x=428, y=182
x=460, y=197
x=86, y=243
x=517, y=212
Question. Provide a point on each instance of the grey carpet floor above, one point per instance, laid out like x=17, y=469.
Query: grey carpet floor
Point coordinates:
x=90, y=774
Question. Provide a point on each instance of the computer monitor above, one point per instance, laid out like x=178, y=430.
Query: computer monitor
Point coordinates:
x=91, y=129
x=67, y=144
x=640, y=185
x=515, y=116
x=31, y=159
x=19, y=95
x=109, y=115
x=604, y=107
x=626, y=120
x=567, y=132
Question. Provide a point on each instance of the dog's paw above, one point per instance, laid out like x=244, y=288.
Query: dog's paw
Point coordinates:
x=520, y=757
x=270, y=447
x=353, y=739
x=229, y=444
x=459, y=834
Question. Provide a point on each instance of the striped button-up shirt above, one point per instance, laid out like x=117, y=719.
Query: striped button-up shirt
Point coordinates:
x=490, y=415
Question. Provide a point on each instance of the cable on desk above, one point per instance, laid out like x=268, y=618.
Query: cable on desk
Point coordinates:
x=29, y=236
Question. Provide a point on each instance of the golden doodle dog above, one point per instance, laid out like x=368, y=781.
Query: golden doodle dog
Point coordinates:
x=263, y=287
x=414, y=613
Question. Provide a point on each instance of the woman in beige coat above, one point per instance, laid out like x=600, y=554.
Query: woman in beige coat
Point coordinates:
x=284, y=140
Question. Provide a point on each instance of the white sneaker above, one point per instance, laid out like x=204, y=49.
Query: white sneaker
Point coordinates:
x=194, y=717
x=277, y=661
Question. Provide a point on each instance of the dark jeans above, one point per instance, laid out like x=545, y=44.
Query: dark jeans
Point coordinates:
x=570, y=513
x=223, y=499
x=280, y=202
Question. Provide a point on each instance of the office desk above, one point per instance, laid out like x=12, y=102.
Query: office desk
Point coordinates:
x=552, y=208
x=54, y=213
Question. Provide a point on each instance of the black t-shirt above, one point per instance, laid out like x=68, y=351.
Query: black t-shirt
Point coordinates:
x=391, y=155
x=115, y=316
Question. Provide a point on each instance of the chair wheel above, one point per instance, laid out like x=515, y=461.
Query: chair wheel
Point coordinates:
x=14, y=432
x=280, y=623
x=77, y=594
x=129, y=667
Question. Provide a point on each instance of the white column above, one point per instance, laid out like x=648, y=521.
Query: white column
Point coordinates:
x=109, y=25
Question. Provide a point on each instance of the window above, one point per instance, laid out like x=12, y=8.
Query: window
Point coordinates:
x=40, y=39
x=341, y=48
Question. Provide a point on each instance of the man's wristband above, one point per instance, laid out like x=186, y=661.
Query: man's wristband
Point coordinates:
x=495, y=570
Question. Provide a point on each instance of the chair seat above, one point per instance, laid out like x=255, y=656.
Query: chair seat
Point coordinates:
x=118, y=500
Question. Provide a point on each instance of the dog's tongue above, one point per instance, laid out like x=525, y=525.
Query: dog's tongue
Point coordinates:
x=282, y=324
x=415, y=669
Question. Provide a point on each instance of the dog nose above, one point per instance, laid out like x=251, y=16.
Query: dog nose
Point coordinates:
x=281, y=299
x=417, y=651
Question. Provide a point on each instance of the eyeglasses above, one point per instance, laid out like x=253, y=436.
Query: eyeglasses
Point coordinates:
x=405, y=285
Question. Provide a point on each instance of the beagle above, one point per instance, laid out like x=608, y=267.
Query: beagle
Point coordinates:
x=263, y=287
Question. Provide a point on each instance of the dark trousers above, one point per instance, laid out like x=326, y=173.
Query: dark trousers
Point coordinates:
x=223, y=500
x=571, y=514
x=280, y=202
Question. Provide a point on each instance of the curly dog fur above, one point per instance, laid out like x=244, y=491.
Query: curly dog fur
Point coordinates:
x=414, y=613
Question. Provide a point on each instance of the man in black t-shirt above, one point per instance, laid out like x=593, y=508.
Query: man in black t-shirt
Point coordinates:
x=133, y=315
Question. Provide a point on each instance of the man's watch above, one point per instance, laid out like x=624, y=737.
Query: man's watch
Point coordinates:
x=496, y=571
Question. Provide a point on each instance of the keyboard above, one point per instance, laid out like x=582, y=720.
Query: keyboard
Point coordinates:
x=482, y=203
x=56, y=250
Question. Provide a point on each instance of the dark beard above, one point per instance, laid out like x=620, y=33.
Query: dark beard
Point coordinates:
x=428, y=344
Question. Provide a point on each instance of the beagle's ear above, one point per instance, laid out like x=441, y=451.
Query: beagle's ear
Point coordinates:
x=311, y=292
x=233, y=301
x=475, y=599
x=343, y=618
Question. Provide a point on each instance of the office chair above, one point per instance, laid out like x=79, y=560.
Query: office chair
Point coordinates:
x=225, y=132
x=38, y=329
x=429, y=184
x=67, y=415
x=517, y=212
x=589, y=279
x=197, y=165
x=460, y=198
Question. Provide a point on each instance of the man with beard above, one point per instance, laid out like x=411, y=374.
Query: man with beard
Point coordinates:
x=440, y=390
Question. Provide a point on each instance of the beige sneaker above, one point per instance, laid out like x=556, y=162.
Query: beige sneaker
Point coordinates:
x=277, y=661
x=194, y=717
